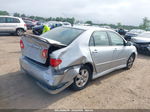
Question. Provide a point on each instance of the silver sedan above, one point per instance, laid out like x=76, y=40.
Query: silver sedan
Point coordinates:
x=72, y=56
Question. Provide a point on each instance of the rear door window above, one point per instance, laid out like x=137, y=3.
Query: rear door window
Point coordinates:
x=2, y=20
x=100, y=38
x=12, y=20
x=16, y=20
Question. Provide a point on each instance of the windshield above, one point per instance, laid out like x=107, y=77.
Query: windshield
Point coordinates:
x=147, y=35
x=63, y=35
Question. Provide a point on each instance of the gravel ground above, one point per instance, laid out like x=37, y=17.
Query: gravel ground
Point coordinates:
x=122, y=89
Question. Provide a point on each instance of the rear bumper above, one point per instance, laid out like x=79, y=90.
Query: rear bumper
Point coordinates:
x=47, y=78
x=25, y=29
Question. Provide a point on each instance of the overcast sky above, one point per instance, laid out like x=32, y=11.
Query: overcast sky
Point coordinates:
x=129, y=12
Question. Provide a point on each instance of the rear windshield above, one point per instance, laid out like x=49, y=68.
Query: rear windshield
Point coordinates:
x=63, y=35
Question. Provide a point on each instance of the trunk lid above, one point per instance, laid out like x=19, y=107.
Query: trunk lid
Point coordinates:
x=34, y=45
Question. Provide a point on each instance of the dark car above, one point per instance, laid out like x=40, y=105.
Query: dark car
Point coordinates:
x=133, y=33
x=37, y=30
x=29, y=24
x=142, y=42
x=39, y=23
x=121, y=31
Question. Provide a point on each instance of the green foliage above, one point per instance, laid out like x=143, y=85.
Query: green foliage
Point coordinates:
x=128, y=27
x=16, y=14
x=32, y=17
x=49, y=19
x=23, y=15
x=70, y=20
x=4, y=13
x=89, y=22
x=146, y=24
x=119, y=25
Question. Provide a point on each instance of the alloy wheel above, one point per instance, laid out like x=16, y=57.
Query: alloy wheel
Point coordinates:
x=130, y=62
x=20, y=32
x=82, y=78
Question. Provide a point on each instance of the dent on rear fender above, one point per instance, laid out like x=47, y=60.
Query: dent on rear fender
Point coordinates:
x=77, y=61
x=71, y=73
x=62, y=76
x=70, y=57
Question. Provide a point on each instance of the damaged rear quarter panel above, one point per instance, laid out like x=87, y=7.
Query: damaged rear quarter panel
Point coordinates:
x=76, y=53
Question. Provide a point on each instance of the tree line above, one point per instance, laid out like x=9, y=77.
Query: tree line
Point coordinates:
x=38, y=18
x=145, y=25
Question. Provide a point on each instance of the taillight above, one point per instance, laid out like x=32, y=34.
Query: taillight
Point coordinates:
x=55, y=62
x=21, y=44
x=25, y=24
x=44, y=53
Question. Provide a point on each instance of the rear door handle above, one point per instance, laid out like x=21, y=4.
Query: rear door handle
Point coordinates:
x=95, y=51
x=115, y=49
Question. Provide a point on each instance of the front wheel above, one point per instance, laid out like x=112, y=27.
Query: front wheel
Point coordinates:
x=130, y=61
x=82, y=79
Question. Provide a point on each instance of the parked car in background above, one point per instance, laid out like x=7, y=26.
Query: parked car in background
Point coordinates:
x=29, y=24
x=108, y=27
x=121, y=31
x=142, y=42
x=73, y=56
x=133, y=33
x=29, y=19
x=54, y=24
x=39, y=23
x=13, y=25
x=37, y=30
x=26, y=18
x=65, y=24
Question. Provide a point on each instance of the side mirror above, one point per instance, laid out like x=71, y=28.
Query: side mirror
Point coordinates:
x=128, y=43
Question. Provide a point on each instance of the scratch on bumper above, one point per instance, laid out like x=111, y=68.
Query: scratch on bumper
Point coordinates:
x=47, y=79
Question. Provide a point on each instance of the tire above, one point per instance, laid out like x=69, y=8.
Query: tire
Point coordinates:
x=130, y=62
x=82, y=79
x=19, y=32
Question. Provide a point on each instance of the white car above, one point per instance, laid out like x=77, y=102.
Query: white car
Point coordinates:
x=13, y=25
x=66, y=24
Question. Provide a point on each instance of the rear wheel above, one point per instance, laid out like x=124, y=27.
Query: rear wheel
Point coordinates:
x=130, y=61
x=82, y=79
x=19, y=32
